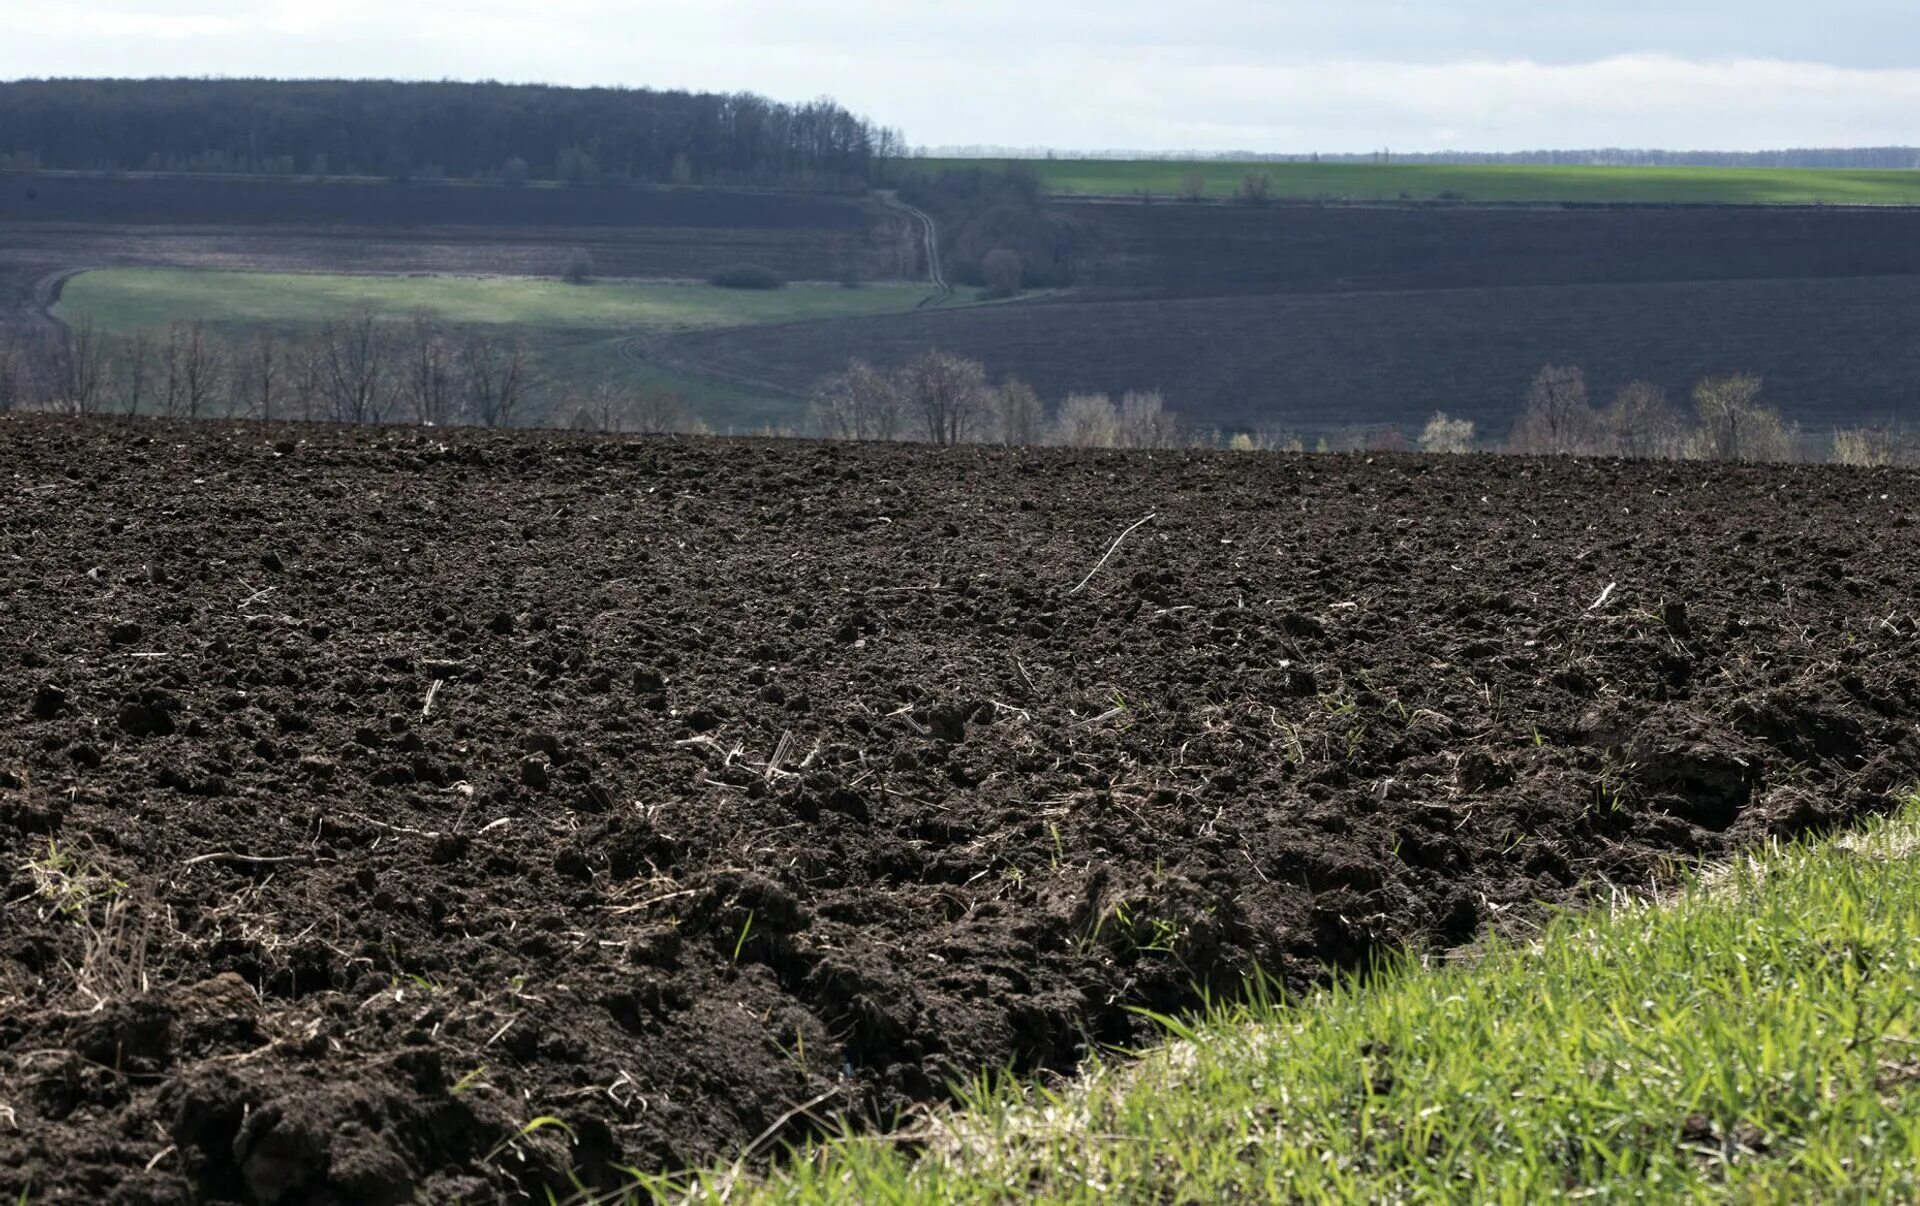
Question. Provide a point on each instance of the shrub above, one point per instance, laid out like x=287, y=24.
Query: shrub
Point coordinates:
x=579, y=269
x=1267, y=439
x=1443, y=434
x=1086, y=421
x=1386, y=439
x=950, y=393
x=1864, y=446
x=1557, y=419
x=1734, y=425
x=747, y=276
x=610, y=407
x=1017, y=413
x=1002, y=270
x=1143, y=421
x=1640, y=423
x=859, y=403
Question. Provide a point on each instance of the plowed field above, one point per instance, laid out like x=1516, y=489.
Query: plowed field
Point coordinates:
x=368, y=796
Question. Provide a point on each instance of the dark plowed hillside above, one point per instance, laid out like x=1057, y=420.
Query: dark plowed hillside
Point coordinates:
x=1832, y=351
x=1203, y=250
x=366, y=795
x=56, y=222
x=225, y=201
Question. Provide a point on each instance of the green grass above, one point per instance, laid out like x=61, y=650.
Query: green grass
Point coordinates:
x=1476, y=182
x=1753, y=1040
x=124, y=298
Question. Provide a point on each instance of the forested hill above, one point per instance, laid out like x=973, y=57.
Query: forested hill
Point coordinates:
x=477, y=131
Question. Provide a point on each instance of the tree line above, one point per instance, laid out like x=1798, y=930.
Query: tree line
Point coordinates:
x=405, y=130
x=1727, y=420
x=361, y=368
x=357, y=368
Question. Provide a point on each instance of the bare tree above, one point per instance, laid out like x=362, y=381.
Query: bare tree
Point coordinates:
x=1145, y=422
x=656, y=412
x=1557, y=419
x=193, y=371
x=306, y=372
x=948, y=392
x=1254, y=188
x=29, y=368
x=598, y=411
x=260, y=372
x=1003, y=272
x=1086, y=421
x=1017, y=413
x=133, y=375
x=1641, y=423
x=355, y=374
x=857, y=403
x=1734, y=425
x=1193, y=186
x=429, y=382
x=13, y=370
x=1444, y=434
x=610, y=407
x=82, y=368
x=497, y=375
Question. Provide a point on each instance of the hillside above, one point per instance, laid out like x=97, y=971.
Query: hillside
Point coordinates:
x=59, y=222
x=1478, y=182
x=1833, y=351
x=1312, y=318
x=1299, y=317
x=1205, y=250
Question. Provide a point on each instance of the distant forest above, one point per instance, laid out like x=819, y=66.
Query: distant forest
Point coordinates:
x=468, y=131
x=1903, y=158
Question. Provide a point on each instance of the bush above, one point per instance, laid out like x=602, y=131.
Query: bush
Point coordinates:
x=579, y=269
x=1266, y=439
x=1865, y=447
x=747, y=276
x=1003, y=272
x=1086, y=421
x=1640, y=423
x=1444, y=434
x=1557, y=420
x=1734, y=425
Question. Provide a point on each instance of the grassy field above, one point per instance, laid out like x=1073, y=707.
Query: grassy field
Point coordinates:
x=1491, y=182
x=577, y=330
x=1753, y=1041
x=128, y=298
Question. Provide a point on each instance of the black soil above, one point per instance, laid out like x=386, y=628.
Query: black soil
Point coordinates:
x=763, y=774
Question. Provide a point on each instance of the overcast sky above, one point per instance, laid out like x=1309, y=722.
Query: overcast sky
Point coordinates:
x=1262, y=75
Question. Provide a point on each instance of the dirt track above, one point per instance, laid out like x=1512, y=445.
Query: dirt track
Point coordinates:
x=758, y=774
